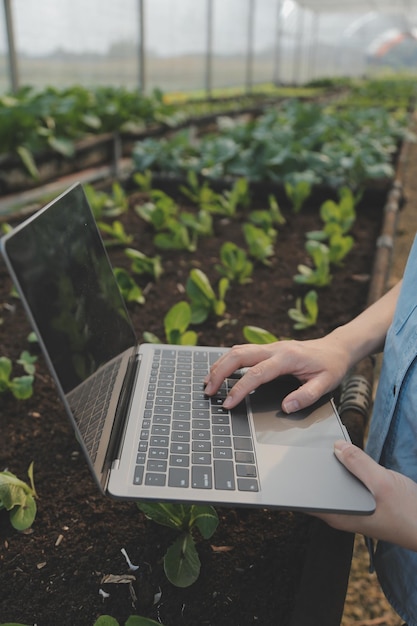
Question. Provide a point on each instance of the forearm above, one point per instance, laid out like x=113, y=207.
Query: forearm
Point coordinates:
x=366, y=333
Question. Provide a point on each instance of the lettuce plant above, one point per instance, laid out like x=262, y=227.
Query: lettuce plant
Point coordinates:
x=142, y=264
x=20, y=386
x=107, y=620
x=176, y=323
x=129, y=289
x=298, y=191
x=306, y=311
x=203, y=299
x=18, y=498
x=255, y=334
x=260, y=244
x=116, y=233
x=319, y=275
x=234, y=263
x=181, y=561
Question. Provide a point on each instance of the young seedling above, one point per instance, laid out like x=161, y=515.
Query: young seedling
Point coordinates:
x=18, y=498
x=181, y=561
x=116, y=232
x=319, y=275
x=159, y=211
x=129, y=289
x=255, y=334
x=142, y=264
x=260, y=244
x=203, y=298
x=176, y=323
x=298, y=192
x=20, y=386
x=306, y=311
x=235, y=264
x=107, y=205
x=143, y=181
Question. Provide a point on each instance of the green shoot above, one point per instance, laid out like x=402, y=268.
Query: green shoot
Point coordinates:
x=319, y=275
x=176, y=323
x=142, y=264
x=18, y=498
x=235, y=264
x=305, y=312
x=261, y=245
x=181, y=561
x=20, y=386
x=130, y=291
x=298, y=192
x=143, y=181
x=104, y=204
x=203, y=299
x=254, y=334
x=116, y=232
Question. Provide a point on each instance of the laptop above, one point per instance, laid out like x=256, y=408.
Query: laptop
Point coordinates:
x=140, y=413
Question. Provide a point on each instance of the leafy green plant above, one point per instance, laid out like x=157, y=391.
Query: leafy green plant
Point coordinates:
x=339, y=246
x=116, y=232
x=319, y=275
x=159, y=211
x=105, y=204
x=306, y=311
x=129, y=289
x=255, y=334
x=201, y=223
x=176, y=323
x=142, y=264
x=298, y=191
x=260, y=244
x=234, y=263
x=181, y=561
x=200, y=194
x=143, y=180
x=20, y=386
x=18, y=498
x=202, y=296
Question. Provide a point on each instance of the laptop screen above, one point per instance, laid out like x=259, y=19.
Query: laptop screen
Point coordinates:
x=64, y=272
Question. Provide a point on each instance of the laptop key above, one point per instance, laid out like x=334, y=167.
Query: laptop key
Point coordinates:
x=138, y=476
x=201, y=477
x=178, y=477
x=224, y=477
x=154, y=479
x=240, y=422
x=247, y=484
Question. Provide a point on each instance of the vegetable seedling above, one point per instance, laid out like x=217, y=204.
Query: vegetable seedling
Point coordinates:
x=20, y=386
x=203, y=298
x=181, y=561
x=18, y=498
x=306, y=311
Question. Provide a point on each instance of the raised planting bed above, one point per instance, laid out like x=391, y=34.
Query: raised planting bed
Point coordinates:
x=260, y=566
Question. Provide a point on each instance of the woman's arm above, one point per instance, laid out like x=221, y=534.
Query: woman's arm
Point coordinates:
x=320, y=364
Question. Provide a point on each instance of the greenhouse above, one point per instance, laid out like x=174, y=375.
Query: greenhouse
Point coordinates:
x=207, y=350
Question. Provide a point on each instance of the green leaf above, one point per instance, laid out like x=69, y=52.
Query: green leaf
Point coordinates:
x=137, y=620
x=172, y=515
x=22, y=387
x=28, y=161
x=181, y=562
x=62, y=145
x=254, y=334
x=205, y=518
x=106, y=620
x=22, y=517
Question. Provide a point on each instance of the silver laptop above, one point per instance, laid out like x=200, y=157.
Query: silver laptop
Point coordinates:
x=139, y=411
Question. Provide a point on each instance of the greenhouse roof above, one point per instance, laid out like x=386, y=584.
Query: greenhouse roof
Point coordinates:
x=359, y=6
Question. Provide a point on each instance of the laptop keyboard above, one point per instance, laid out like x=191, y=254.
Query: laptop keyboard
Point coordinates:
x=90, y=402
x=187, y=438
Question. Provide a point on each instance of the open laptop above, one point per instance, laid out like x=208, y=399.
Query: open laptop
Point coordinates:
x=139, y=411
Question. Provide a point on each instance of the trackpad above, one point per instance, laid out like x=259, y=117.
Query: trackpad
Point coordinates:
x=317, y=426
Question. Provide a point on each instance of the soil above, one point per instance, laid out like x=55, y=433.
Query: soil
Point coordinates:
x=252, y=566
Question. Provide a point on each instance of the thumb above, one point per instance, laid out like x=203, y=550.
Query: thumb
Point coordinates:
x=358, y=462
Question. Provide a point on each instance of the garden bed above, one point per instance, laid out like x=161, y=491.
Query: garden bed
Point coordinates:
x=254, y=566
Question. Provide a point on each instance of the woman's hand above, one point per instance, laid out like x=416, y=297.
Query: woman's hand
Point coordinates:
x=319, y=364
x=395, y=516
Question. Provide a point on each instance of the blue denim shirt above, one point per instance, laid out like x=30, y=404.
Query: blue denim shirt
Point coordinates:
x=393, y=436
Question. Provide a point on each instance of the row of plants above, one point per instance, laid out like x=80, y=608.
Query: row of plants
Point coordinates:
x=296, y=141
x=32, y=122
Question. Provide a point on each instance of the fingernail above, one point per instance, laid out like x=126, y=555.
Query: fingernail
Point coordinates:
x=227, y=402
x=208, y=388
x=291, y=406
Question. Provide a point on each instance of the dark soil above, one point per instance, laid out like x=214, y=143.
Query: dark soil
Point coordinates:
x=252, y=566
